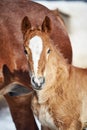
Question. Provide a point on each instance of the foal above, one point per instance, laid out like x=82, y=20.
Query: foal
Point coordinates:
x=60, y=97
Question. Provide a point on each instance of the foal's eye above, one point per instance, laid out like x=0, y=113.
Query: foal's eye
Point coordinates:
x=25, y=51
x=48, y=51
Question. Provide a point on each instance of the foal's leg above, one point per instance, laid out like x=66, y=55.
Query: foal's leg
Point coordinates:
x=20, y=107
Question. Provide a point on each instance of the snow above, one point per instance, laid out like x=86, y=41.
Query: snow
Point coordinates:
x=6, y=122
x=78, y=36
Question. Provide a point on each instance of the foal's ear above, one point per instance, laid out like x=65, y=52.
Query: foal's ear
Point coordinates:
x=46, y=25
x=25, y=24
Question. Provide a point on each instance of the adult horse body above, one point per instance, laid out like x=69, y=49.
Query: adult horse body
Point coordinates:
x=13, y=63
x=60, y=97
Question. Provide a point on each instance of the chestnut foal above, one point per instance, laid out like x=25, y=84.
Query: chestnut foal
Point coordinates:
x=60, y=89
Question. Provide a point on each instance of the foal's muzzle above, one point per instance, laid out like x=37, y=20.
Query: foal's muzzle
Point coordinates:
x=37, y=82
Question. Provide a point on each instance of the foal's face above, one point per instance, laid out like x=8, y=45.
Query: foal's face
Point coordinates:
x=40, y=56
x=39, y=53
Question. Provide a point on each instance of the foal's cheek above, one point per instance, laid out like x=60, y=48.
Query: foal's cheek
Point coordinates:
x=50, y=73
x=47, y=75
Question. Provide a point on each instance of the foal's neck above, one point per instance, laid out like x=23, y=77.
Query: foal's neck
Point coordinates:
x=61, y=77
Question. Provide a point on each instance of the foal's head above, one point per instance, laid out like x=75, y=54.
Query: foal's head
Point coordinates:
x=42, y=56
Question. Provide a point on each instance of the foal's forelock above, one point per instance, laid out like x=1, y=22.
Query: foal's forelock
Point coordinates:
x=36, y=46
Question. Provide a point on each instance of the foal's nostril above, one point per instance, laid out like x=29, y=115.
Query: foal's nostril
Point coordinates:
x=34, y=81
x=42, y=80
x=37, y=82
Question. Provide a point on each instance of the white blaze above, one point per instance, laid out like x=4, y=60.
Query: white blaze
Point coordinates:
x=36, y=48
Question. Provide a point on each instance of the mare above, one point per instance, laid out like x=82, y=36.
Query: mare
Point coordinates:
x=13, y=63
x=60, y=89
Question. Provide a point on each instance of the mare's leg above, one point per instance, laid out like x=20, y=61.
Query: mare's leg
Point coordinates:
x=20, y=107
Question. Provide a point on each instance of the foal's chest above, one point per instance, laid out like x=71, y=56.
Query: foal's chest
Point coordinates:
x=45, y=117
x=41, y=111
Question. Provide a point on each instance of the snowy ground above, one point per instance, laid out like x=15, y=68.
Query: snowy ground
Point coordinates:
x=78, y=36
x=6, y=120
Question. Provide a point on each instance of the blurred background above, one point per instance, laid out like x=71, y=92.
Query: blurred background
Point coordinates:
x=74, y=14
